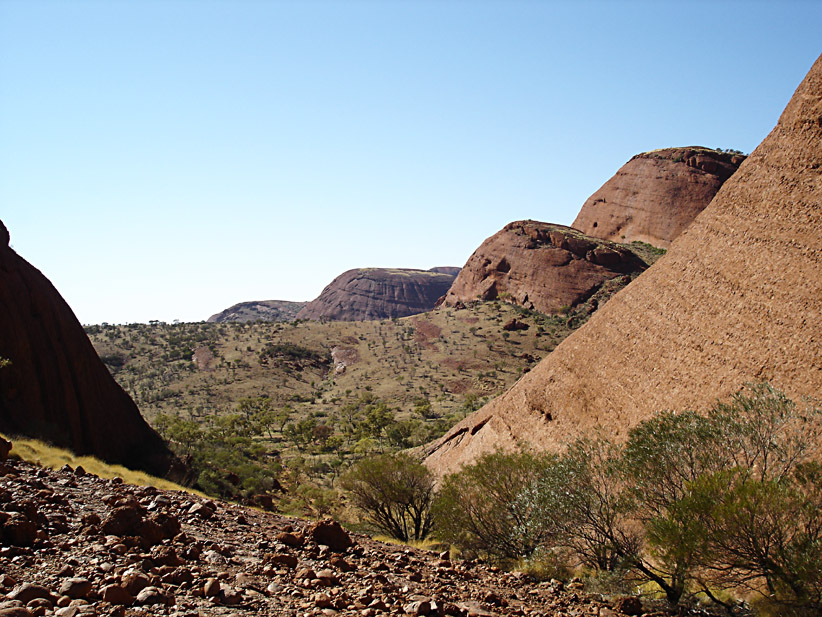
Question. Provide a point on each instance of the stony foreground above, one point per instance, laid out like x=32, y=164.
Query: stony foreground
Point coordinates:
x=78, y=545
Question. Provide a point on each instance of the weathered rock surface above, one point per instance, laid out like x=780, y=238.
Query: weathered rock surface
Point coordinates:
x=737, y=298
x=541, y=266
x=378, y=293
x=56, y=387
x=655, y=196
x=234, y=562
x=260, y=310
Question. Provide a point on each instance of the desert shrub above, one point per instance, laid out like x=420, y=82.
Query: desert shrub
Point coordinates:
x=762, y=515
x=503, y=506
x=692, y=503
x=394, y=493
x=662, y=458
x=711, y=502
x=595, y=506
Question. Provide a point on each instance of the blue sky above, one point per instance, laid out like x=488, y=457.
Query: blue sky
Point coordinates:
x=164, y=160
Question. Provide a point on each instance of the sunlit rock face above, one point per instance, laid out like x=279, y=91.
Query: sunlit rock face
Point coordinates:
x=737, y=298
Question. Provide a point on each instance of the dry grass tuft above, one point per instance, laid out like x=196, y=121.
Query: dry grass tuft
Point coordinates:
x=52, y=457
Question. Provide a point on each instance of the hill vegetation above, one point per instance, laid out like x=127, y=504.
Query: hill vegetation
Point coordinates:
x=256, y=407
x=274, y=412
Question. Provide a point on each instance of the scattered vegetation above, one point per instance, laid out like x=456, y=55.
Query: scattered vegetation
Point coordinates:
x=716, y=506
x=274, y=413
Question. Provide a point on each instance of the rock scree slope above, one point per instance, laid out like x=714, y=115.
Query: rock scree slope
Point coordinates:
x=540, y=266
x=365, y=294
x=56, y=387
x=76, y=544
x=737, y=298
x=656, y=195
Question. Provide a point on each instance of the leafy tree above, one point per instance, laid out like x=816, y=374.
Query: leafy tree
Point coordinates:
x=503, y=505
x=596, y=506
x=184, y=434
x=763, y=513
x=422, y=407
x=663, y=456
x=394, y=492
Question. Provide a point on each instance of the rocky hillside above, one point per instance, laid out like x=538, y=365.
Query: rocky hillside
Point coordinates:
x=378, y=293
x=736, y=299
x=75, y=544
x=540, y=266
x=56, y=388
x=656, y=195
x=260, y=310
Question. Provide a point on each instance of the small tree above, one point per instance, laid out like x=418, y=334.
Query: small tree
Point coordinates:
x=503, y=505
x=763, y=514
x=394, y=492
x=596, y=506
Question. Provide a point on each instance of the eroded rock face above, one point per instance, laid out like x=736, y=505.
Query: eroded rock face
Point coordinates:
x=655, y=196
x=737, y=298
x=57, y=388
x=259, y=310
x=540, y=266
x=378, y=293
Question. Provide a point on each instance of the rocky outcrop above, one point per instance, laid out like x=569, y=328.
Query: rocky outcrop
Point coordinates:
x=260, y=310
x=737, y=298
x=377, y=293
x=541, y=266
x=656, y=195
x=56, y=387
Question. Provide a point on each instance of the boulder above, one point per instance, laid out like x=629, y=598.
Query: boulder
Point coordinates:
x=330, y=533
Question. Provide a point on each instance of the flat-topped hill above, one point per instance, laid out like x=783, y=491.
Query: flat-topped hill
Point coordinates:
x=365, y=294
x=259, y=310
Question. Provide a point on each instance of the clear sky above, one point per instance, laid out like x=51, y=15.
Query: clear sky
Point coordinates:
x=166, y=159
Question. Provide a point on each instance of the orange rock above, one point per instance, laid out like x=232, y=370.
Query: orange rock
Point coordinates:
x=655, y=196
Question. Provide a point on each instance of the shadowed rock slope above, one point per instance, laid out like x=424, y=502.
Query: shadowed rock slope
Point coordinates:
x=378, y=293
x=656, y=195
x=737, y=298
x=57, y=388
x=541, y=266
x=259, y=310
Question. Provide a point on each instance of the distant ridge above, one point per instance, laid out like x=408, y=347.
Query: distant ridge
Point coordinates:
x=259, y=310
x=378, y=293
x=737, y=298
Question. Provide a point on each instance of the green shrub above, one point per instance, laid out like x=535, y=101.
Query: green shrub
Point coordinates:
x=394, y=492
x=502, y=506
